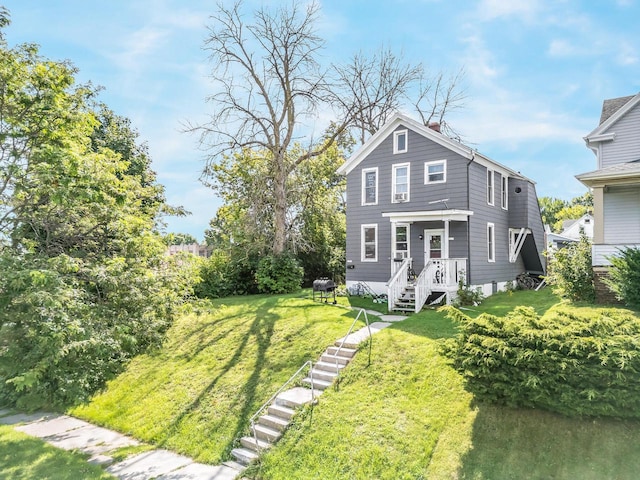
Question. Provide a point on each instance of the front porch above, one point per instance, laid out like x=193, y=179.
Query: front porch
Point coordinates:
x=428, y=257
x=409, y=293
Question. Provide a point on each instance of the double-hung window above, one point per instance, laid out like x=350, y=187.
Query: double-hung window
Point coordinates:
x=504, y=199
x=400, y=179
x=400, y=138
x=490, y=188
x=491, y=242
x=401, y=241
x=369, y=246
x=370, y=186
x=435, y=172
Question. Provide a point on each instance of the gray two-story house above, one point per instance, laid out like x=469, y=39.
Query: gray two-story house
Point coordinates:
x=425, y=211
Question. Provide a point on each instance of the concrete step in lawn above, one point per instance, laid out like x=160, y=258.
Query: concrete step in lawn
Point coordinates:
x=281, y=411
x=328, y=366
x=244, y=456
x=250, y=443
x=342, y=352
x=323, y=375
x=266, y=433
x=274, y=421
x=317, y=383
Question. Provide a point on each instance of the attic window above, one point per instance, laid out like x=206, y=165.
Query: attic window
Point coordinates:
x=400, y=141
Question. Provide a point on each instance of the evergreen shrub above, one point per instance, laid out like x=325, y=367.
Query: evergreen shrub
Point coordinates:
x=560, y=362
x=624, y=276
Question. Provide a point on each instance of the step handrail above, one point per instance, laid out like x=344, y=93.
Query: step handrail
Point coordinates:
x=252, y=420
x=344, y=339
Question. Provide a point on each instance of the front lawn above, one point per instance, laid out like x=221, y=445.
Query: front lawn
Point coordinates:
x=23, y=457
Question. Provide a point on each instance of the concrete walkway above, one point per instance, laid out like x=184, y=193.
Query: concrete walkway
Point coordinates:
x=70, y=433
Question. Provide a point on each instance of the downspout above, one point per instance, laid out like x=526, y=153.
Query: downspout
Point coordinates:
x=473, y=156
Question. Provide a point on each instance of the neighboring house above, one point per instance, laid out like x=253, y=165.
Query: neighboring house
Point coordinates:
x=615, y=183
x=571, y=232
x=193, y=248
x=420, y=202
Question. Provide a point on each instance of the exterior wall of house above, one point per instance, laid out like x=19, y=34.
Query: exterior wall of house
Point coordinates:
x=481, y=271
x=419, y=151
x=626, y=145
x=622, y=215
x=536, y=225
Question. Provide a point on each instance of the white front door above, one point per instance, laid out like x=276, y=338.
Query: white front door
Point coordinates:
x=433, y=245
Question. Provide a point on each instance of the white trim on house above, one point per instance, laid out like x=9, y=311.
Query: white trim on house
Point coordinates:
x=408, y=217
x=402, y=120
x=364, y=186
x=394, y=241
x=364, y=243
x=427, y=174
x=504, y=192
x=400, y=197
x=396, y=136
x=491, y=187
x=596, y=135
x=491, y=242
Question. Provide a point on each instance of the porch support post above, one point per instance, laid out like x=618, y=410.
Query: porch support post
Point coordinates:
x=445, y=243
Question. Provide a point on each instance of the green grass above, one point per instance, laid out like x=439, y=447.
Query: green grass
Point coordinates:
x=217, y=367
x=23, y=457
x=404, y=415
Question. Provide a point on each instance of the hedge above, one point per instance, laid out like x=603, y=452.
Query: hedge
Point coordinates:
x=562, y=362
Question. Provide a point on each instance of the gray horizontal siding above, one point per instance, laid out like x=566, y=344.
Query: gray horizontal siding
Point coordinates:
x=622, y=215
x=626, y=145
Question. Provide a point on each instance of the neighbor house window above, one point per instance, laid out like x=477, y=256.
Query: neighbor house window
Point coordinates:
x=490, y=187
x=370, y=186
x=400, y=179
x=504, y=199
x=401, y=241
x=370, y=243
x=491, y=242
x=435, y=172
x=400, y=141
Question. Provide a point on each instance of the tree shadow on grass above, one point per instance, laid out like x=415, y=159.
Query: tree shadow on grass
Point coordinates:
x=510, y=443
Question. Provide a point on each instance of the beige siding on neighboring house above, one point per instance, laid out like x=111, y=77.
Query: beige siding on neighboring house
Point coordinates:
x=626, y=145
x=622, y=215
x=600, y=253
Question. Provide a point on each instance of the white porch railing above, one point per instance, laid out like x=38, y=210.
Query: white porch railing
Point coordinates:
x=398, y=283
x=445, y=272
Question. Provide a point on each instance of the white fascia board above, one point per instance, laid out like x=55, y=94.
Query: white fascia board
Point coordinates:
x=426, y=216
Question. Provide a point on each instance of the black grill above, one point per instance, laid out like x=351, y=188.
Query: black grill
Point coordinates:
x=325, y=287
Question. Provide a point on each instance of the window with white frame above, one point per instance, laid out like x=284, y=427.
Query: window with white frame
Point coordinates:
x=504, y=198
x=490, y=189
x=401, y=241
x=400, y=179
x=400, y=141
x=491, y=242
x=435, y=172
x=369, y=248
x=370, y=186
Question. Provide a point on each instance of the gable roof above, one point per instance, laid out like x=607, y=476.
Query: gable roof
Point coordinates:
x=402, y=120
x=612, y=110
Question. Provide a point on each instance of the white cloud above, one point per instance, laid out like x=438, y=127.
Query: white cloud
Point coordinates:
x=627, y=54
x=561, y=48
x=493, y=9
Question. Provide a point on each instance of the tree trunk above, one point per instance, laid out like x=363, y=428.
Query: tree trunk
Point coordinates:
x=280, y=208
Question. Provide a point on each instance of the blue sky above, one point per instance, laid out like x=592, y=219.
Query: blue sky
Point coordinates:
x=536, y=72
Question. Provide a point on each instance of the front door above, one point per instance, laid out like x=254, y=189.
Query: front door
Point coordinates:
x=433, y=245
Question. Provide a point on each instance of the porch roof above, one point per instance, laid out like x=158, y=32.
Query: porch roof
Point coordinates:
x=429, y=216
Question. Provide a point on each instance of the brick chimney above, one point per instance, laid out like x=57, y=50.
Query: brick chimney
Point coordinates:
x=435, y=126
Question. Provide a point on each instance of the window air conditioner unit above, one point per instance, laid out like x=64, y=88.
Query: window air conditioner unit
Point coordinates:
x=401, y=197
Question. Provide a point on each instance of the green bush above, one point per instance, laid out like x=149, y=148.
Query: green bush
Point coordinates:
x=467, y=295
x=69, y=325
x=571, y=273
x=624, y=276
x=559, y=362
x=279, y=274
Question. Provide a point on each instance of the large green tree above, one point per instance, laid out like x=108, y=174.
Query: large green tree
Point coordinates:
x=84, y=284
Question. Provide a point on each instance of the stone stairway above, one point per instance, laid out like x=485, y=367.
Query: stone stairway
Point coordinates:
x=270, y=426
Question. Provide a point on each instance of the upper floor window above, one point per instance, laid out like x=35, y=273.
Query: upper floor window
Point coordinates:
x=435, y=172
x=490, y=189
x=400, y=141
x=369, y=246
x=504, y=198
x=400, y=179
x=491, y=242
x=370, y=186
